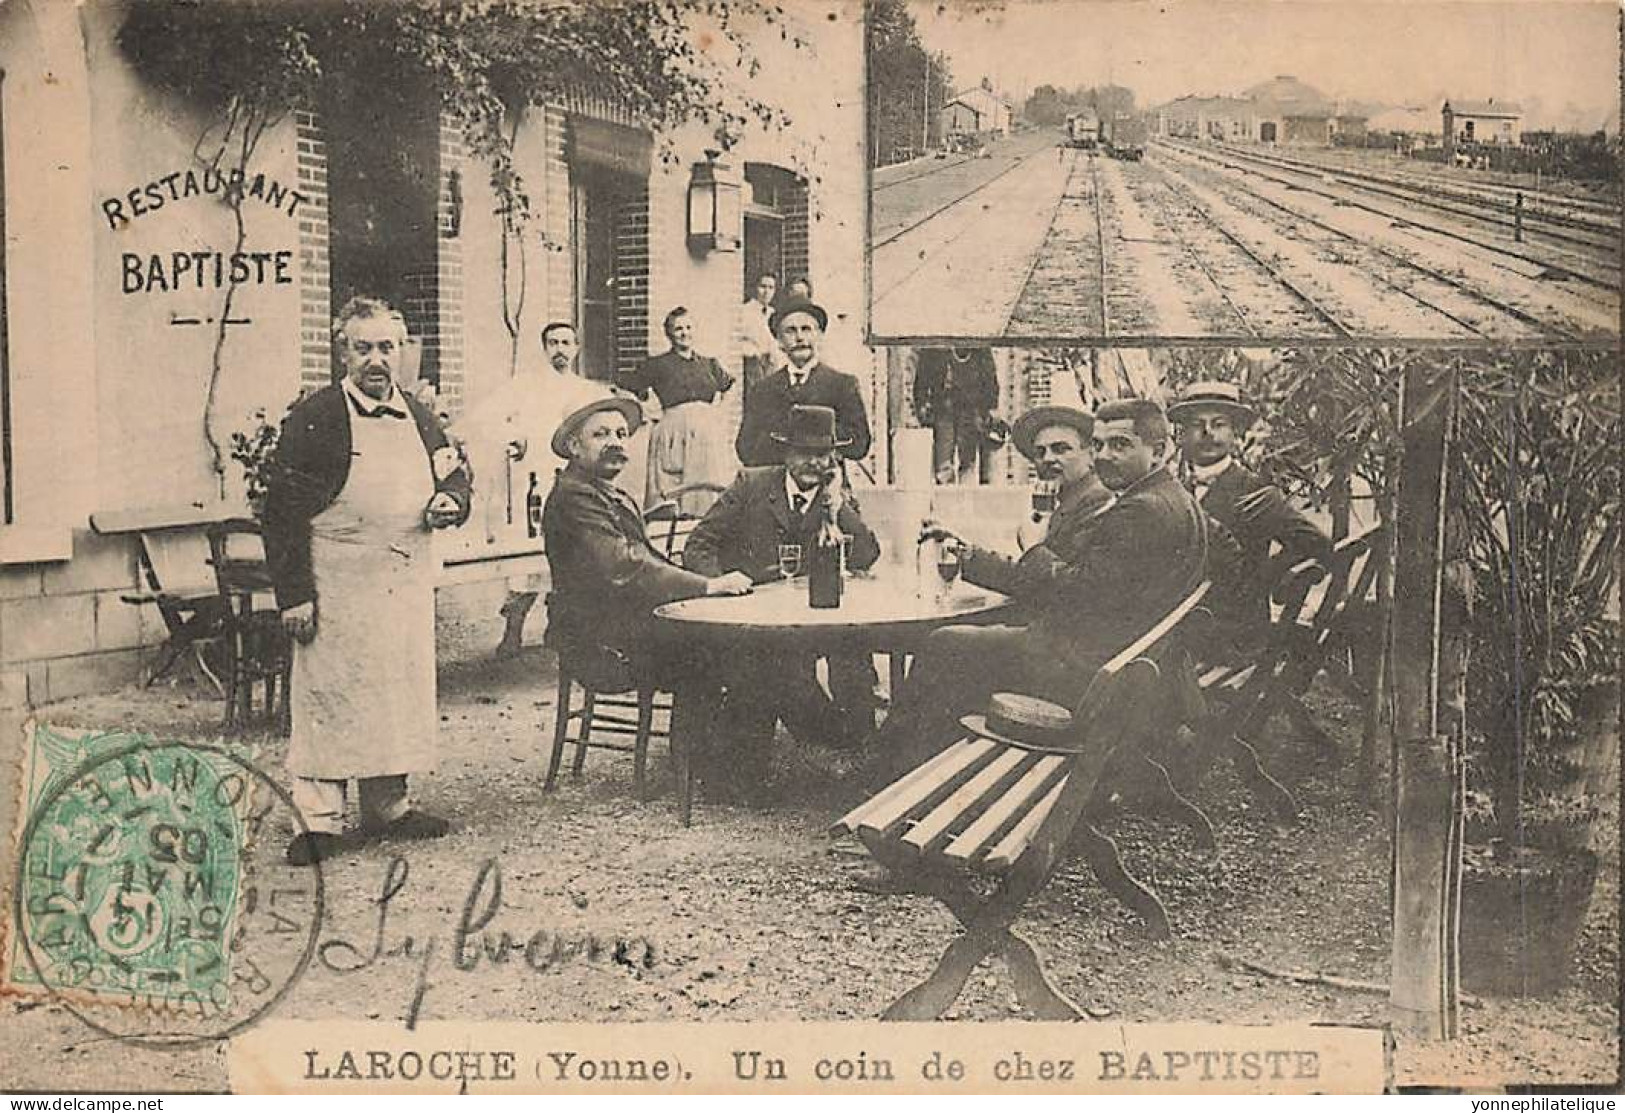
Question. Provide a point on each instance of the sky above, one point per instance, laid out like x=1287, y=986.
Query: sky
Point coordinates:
x=1557, y=58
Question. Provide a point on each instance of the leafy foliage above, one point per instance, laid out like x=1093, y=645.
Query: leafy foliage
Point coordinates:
x=904, y=81
x=1539, y=476
x=253, y=448
x=665, y=62
x=1049, y=105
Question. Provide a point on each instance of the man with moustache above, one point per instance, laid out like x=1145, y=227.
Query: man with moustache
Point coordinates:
x=804, y=381
x=508, y=427
x=607, y=577
x=361, y=474
x=1212, y=419
x=1059, y=442
x=1143, y=553
x=764, y=509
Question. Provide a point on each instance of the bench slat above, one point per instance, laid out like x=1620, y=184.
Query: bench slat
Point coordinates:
x=958, y=807
x=941, y=778
x=993, y=823
x=1012, y=845
x=849, y=822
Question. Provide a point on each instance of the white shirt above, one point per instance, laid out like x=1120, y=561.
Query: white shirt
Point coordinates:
x=1204, y=476
x=393, y=402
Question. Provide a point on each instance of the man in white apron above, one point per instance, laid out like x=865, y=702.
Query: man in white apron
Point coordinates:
x=362, y=473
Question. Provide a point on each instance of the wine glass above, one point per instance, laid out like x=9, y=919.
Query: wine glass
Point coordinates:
x=947, y=565
x=789, y=561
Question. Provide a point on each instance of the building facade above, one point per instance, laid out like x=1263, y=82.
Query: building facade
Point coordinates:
x=140, y=331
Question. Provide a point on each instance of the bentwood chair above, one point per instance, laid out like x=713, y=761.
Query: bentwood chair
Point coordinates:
x=259, y=651
x=612, y=703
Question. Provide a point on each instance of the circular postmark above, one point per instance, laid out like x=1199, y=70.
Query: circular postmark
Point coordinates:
x=152, y=897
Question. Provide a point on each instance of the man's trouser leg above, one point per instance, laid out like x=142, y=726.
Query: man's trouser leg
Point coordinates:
x=383, y=800
x=942, y=442
x=953, y=675
x=852, y=684
x=968, y=441
x=320, y=804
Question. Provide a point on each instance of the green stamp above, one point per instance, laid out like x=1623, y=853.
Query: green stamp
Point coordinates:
x=143, y=899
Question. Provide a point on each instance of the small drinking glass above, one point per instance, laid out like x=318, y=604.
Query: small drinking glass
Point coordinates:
x=789, y=561
x=947, y=566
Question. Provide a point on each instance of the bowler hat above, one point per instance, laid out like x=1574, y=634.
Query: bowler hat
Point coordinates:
x=1026, y=722
x=798, y=305
x=811, y=427
x=627, y=407
x=1035, y=421
x=1225, y=397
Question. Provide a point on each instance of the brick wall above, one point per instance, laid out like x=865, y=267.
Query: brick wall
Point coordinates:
x=315, y=298
x=63, y=629
x=797, y=257
x=448, y=309
x=632, y=280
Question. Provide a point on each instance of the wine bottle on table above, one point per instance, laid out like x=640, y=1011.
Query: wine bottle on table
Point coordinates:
x=533, y=508
x=824, y=564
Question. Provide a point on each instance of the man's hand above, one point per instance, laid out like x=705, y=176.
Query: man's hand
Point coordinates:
x=1030, y=533
x=300, y=622
x=729, y=583
x=442, y=511
x=517, y=448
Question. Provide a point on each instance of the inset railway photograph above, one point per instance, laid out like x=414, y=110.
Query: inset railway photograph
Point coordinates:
x=1244, y=170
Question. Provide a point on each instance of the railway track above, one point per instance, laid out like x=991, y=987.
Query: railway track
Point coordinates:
x=945, y=206
x=935, y=167
x=1605, y=277
x=1589, y=231
x=1296, y=217
x=1302, y=296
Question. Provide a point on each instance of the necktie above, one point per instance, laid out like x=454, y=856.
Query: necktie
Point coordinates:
x=799, y=504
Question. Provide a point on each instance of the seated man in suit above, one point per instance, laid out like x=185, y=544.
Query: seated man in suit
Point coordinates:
x=1059, y=440
x=607, y=578
x=1212, y=419
x=1141, y=556
x=785, y=505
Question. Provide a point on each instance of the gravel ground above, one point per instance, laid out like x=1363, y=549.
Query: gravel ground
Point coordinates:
x=752, y=914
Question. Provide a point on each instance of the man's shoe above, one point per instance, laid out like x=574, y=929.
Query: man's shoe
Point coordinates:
x=310, y=847
x=412, y=825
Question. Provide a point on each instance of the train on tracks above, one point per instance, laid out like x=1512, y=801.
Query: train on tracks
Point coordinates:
x=1123, y=136
x=1083, y=130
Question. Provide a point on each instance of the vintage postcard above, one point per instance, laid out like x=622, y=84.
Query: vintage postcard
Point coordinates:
x=642, y=547
x=1246, y=171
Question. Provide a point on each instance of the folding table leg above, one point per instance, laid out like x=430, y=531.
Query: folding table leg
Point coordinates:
x=1258, y=781
x=1162, y=794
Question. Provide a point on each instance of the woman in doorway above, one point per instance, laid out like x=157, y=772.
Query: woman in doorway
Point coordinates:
x=689, y=445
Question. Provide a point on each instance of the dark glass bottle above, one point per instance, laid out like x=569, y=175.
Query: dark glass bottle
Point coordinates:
x=824, y=566
x=533, y=509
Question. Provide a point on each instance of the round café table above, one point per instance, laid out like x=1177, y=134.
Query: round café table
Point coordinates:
x=888, y=610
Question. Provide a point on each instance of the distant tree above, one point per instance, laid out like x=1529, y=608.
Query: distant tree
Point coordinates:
x=907, y=86
x=1047, y=105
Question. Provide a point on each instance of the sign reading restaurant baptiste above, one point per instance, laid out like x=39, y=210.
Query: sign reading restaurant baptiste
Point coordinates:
x=164, y=272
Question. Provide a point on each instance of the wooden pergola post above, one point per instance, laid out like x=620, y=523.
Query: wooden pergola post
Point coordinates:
x=1429, y=684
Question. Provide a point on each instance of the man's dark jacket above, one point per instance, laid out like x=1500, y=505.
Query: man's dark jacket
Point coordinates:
x=970, y=387
x=1256, y=513
x=309, y=469
x=743, y=531
x=767, y=411
x=607, y=578
x=1138, y=559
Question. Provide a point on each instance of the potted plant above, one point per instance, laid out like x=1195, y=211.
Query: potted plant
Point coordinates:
x=1539, y=492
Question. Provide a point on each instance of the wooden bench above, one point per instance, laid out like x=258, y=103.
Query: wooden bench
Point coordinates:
x=1317, y=612
x=988, y=806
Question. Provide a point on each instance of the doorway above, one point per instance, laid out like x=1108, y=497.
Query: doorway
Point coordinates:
x=1266, y=132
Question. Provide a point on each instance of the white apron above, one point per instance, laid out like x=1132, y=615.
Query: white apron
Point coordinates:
x=689, y=446
x=364, y=689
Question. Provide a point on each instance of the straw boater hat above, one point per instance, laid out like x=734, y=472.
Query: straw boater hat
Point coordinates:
x=1035, y=421
x=1025, y=722
x=798, y=305
x=628, y=407
x=1225, y=397
x=811, y=427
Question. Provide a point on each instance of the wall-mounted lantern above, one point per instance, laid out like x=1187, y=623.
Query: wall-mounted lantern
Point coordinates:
x=713, y=206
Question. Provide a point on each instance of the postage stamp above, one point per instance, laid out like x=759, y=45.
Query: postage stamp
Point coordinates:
x=149, y=898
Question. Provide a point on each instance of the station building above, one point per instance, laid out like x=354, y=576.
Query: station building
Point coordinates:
x=119, y=254
x=1283, y=110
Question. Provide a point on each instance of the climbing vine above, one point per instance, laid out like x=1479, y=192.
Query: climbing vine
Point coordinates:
x=663, y=63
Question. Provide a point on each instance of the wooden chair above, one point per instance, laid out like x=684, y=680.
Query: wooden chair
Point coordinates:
x=612, y=702
x=987, y=806
x=1317, y=612
x=174, y=564
x=258, y=649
